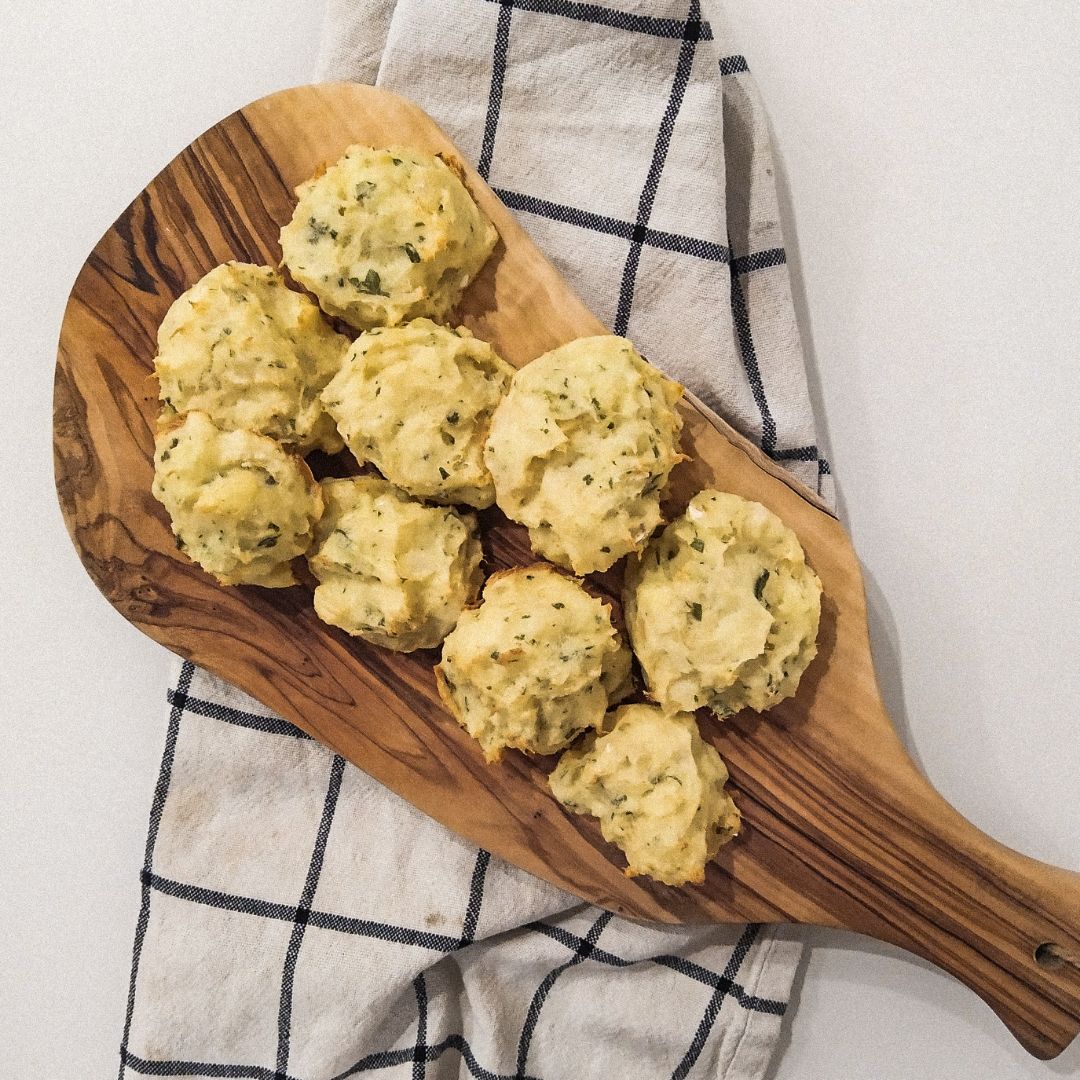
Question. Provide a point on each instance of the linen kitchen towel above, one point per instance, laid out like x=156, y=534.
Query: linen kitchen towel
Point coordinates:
x=300, y=922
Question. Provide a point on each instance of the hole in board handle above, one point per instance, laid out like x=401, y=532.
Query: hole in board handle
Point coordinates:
x=1048, y=955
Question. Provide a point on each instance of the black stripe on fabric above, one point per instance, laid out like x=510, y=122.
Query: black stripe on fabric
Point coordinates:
x=157, y=809
x=676, y=963
x=398, y=935
x=741, y=318
x=685, y=245
x=712, y=1010
x=796, y=453
x=303, y=911
x=750, y=1002
x=759, y=260
x=380, y=1059
x=691, y=34
x=604, y=16
x=733, y=65
x=498, y=74
x=571, y=215
x=582, y=952
x=419, y=1069
x=199, y=1068
x=476, y=897
x=804, y=453
x=194, y=894
x=387, y=1059
x=272, y=725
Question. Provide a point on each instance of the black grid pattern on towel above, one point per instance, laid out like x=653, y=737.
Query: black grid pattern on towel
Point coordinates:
x=637, y=233
x=725, y=985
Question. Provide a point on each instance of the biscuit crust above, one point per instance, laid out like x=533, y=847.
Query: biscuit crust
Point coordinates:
x=657, y=788
x=252, y=354
x=416, y=401
x=382, y=236
x=722, y=608
x=241, y=506
x=581, y=448
x=391, y=570
x=534, y=665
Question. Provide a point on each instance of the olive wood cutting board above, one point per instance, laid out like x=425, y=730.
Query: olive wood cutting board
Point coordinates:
x=841, y=829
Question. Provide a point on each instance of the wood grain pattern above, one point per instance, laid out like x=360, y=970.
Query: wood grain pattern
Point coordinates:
x=841, y=829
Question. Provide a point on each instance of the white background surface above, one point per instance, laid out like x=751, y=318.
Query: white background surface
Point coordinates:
x=930, y=163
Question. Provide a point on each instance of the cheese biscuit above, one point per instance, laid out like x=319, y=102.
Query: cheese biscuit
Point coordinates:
x=241, y=507
x=722, y=608
x=252, y=354
x=538, y=662
x=657, y=788
x=391, y=570
x=581, y=448
x=382, y=236
x=416, y=401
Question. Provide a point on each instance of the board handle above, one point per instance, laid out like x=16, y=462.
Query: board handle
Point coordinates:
x=1005, y=925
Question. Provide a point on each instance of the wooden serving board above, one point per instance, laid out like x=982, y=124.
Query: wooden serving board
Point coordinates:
x=840, y=827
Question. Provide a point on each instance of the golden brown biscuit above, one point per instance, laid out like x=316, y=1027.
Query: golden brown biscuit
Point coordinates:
x=657, y=788
x=722, y=609
x=241, y=507
x=534, y=665
x=386, y=235
x=416, y=401
x=391, y=570
x=251, y=354
x=581, y=448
